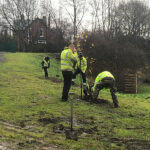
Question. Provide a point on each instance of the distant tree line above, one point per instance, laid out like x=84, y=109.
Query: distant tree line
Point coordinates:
x=120, y=37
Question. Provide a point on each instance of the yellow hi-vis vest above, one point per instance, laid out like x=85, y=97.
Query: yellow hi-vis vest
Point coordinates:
x=67, y=60
x=76, y=55
x=101, y=76
x=83, y=65
x=45, y=63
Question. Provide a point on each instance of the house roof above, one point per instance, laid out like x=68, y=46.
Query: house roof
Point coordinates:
x=23, y=25
x=37, y=19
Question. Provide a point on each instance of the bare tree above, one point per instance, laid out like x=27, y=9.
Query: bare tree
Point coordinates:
x=132, y=18
x=95, y=12
x=101, y=15
x=78, y=7
x=18, y=14
x=51, y=12
x=56, y=21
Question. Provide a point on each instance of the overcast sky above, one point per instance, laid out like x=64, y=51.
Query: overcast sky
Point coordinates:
x=56, y=2
x=87, y=16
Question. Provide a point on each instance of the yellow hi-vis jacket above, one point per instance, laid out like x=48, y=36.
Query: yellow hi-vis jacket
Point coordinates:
x=46, y=63
x=67, y=60
x=101, y=76
x=83, y=65
x=76, y=55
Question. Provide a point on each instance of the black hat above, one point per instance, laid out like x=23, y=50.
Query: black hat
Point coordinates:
x=47, y=58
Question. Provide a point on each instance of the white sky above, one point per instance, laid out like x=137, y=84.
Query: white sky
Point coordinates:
x=56, y=2
x=87, y=17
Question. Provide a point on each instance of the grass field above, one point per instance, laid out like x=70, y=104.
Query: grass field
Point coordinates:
x=32, y=116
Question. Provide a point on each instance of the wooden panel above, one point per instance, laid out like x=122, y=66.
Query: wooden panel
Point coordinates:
x=130, y=83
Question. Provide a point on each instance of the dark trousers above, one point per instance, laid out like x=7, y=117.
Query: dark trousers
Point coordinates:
x=77, y=71
x=67, y=75
x=107, y=83
x=45, y=71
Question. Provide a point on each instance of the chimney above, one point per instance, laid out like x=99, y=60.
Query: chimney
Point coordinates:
x=22, y=17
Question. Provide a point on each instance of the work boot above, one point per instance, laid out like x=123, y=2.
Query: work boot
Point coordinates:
x=116, y=105
x=63, y=100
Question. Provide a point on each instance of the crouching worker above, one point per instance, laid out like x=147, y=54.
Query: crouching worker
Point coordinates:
x=45, y=65
x=105, y=80
x=81, y=67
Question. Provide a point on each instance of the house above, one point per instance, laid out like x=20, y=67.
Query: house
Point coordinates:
x=37, y=32
x=34, y=35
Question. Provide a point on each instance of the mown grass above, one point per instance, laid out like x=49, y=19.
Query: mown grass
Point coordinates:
x=27, y=101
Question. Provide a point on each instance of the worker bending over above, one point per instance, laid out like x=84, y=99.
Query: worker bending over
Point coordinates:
x=105, y=80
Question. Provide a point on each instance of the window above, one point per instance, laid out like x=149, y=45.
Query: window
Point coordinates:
x=42, y=41
x=41, y=32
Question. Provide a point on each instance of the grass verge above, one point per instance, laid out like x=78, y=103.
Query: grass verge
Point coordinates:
x=33, y=117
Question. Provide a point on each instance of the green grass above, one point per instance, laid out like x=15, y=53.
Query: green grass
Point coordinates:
x=144, y=90
x=26, y=98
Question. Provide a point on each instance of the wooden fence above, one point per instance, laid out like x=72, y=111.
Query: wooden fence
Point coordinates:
x=130, y=83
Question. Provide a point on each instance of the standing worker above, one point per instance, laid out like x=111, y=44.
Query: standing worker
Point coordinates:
x=81, y=67
x=68, y=61
x=105, y=80
x=45, y=65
